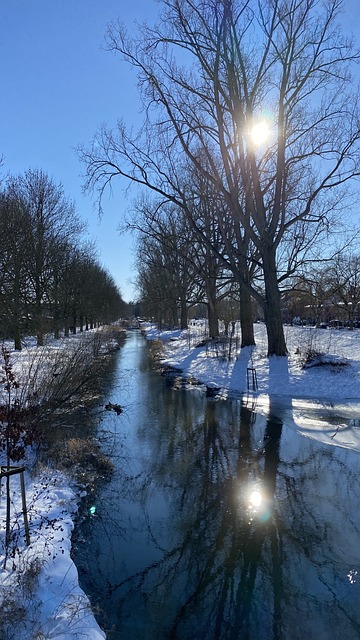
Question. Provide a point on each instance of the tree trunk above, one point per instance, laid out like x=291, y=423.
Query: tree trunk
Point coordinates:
x=213, y=317
x=183, y=315
x=174, y=315
x=17, y=337
x=16, y=315
x=40, y=338
x=272, y=307
x=39, y=326
x=39, y=321
x=16, y=330
x=213, y=320
x=74, y=320
x=56, y=308
x=56, y=321
x=246, y=318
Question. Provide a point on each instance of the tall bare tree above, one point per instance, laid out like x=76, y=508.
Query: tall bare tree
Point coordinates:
x=344, y=277
x=51, y=221
x=215, y=76
x=13, y=267
x=167, y=251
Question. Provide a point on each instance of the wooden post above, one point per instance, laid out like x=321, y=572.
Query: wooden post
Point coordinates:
x=252, y=371
x=6, y=472
x=24, y=509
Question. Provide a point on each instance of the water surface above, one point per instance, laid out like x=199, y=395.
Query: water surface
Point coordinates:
x=218, y=523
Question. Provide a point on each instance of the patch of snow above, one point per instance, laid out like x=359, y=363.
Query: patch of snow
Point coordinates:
x=42, y=576
x=39, y=582
x=321, y=402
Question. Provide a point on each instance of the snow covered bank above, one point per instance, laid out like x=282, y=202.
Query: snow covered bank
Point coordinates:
x=39, y=590
x=40, y=595
x=322, y=401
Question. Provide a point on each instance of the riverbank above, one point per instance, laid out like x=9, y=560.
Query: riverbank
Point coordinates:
x=39, y=588
x=40, y=596
x=315, y=387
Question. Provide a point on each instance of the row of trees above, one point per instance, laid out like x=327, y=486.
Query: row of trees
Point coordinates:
x=177, y=273
x=214, y=75
x=50, y=280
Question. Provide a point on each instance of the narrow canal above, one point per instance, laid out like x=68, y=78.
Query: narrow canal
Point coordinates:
x=218, y=522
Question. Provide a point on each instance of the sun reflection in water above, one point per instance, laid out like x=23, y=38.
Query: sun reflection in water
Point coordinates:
x=255, y=498
x=258, y=504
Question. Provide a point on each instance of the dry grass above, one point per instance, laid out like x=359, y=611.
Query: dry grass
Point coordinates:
x=156, y=351
x=15, y=598
x=81, y=456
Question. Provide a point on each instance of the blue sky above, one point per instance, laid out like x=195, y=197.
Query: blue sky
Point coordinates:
x=58, y=85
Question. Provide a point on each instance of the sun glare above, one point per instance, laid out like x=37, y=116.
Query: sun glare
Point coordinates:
x=260, y=132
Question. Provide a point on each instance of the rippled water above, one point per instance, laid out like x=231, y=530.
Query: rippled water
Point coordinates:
x=218, y=523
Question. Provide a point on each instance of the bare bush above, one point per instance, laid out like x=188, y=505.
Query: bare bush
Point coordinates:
x=58, y=377
x=82, y=457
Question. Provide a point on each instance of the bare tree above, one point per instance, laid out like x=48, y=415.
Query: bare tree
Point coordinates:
x=191, y=263
x=225, y=245
x=49, y=278
x=215, y=76
x=13, y=263
x=89, y=293
x=344, y=277
x=166, y=252
x=51, y=220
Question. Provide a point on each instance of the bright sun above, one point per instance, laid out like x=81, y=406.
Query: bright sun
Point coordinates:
x=259, y=132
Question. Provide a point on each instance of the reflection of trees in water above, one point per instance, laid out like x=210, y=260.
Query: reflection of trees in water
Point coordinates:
x=322, y=541
x=218, y=568
x=224, y=580
x=209, y=575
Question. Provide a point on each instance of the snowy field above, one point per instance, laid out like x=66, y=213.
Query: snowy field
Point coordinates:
x=40, y=582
